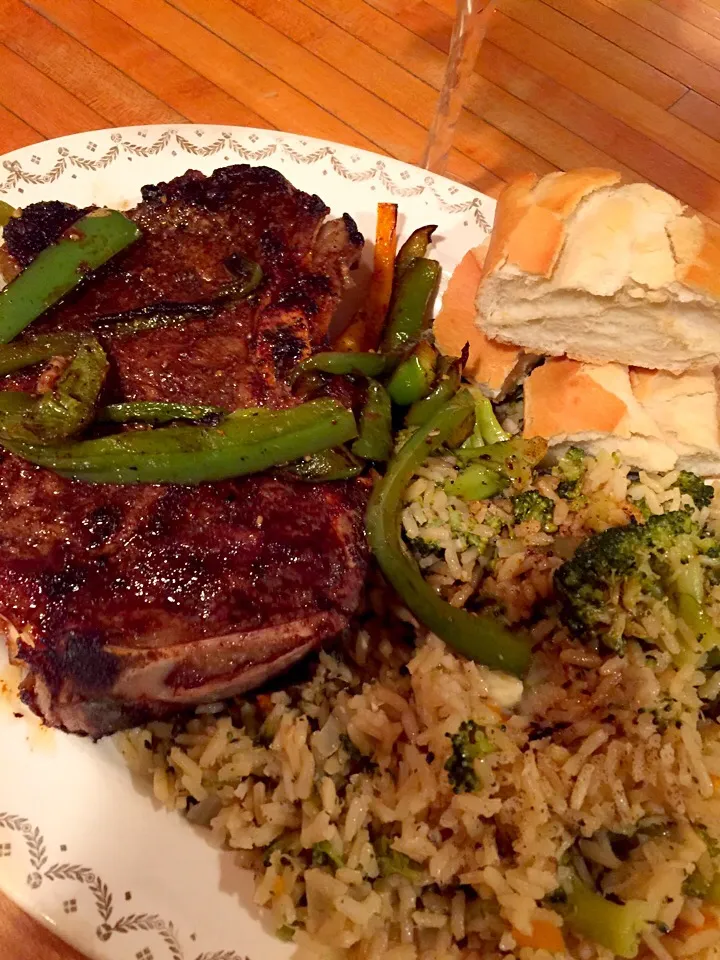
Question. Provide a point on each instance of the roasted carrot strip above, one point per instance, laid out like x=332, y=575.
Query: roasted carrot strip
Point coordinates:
x=366, y=329
x=544, y=936
x=264, y=702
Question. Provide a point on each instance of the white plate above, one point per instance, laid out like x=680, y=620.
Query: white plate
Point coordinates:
x=82, y=847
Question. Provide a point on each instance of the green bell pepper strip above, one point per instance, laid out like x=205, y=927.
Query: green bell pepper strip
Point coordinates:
x=247, y=441
x=485, y=417
x=15, y=402
x=447, y=384
x=415, y=246
x=57, y=269
x=333, y=464
x=248, y=275
x=345, y=364
x=26, y=353
x=68, y=408
x=479, y=637
x=6, y=212
x=615, y=926
x=411, y=305
x=375, y=441
x=152, y=411
x=413, y=378
x=477, y=482
x=308, y=385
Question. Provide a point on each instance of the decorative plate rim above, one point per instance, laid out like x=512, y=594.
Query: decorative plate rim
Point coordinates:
x=103, y=153
x=225, y=139
x=42, y=870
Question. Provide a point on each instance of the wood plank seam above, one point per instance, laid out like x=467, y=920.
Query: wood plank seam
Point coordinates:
x=699, y=14
x=428, y=89
x=494, y=93
x=52, y=106
x=493, y=90
x=268, y=60
x=248, y=54
x=136, y=55
x=659, y=69
x=275, y=101
x=669, y=169
x=94, y=53
x=622, y=103
x=634, y=38
x=677, y=27
x=10, y=110
x=629, y=20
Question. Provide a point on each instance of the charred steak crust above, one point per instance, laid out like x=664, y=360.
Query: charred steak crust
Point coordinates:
x=39, y=225
x=134, y=602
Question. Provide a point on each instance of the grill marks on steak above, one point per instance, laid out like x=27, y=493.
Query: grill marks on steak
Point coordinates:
x=135, y=601
x=191, y=227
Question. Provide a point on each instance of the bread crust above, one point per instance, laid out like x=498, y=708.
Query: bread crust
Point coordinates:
x=685, y=409
x=656, y=420
x=702, y=273
x=529, y=220
x=582, y=265
x=561, y=399
x=491, y=364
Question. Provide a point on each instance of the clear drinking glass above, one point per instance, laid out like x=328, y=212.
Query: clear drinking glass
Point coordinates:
x=471, y=23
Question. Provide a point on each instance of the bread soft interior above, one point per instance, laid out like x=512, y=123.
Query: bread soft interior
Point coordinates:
x=611, y=290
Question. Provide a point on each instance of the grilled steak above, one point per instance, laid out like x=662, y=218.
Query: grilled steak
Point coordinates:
x=126, y=603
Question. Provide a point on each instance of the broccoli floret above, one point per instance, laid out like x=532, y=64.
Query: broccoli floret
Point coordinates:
x=469, y=743
x=287, y=843
x=700, y=492
x=572, y=463
x=391, y=861
x=697, y=885
x=571, y=469
x=496, y=524
x=644, y=508
x=477, y=481
x=569, y=489
x=425, y=547
x=460, y=526
x=513, y=458
x=324, y=854
x=660, y=559
x=356, y=760
x=615, y=926
x=532, y=505
x=661, y=532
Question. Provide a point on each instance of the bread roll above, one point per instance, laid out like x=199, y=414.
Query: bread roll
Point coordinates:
x=580, y=265
x=494, y=367
x=685, y=410
x=593, y=407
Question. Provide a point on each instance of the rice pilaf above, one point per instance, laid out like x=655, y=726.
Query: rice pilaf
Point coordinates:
x=342, y=791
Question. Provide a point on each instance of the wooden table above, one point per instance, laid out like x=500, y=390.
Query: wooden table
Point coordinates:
x=633, y=84
x=23, y=939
